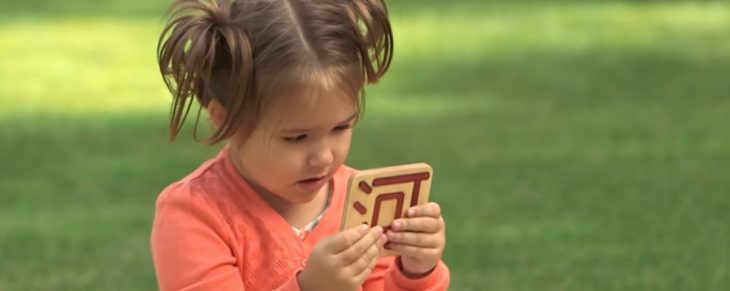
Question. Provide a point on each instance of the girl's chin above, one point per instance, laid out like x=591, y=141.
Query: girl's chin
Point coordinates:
x=303, y=195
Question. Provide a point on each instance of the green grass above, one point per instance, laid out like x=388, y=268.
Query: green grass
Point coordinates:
x=577, y=145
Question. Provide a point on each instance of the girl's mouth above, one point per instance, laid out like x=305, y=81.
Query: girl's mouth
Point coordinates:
x=313, y=183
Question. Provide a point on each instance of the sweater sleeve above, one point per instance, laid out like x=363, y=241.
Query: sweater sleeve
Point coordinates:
x=387, y=276
x=189, y=246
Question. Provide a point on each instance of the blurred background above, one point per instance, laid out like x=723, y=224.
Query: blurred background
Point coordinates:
x=577, y=145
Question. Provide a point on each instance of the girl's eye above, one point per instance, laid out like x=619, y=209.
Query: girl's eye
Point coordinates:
x=342, y=127
x=294, y=139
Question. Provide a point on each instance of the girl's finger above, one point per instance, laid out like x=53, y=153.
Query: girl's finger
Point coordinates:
x=362, y=246
x=413, y=251
x=372, y=253
x=418, y=224
x=417, y=239
x=364, y=273
x=431, y=209
x=344, y=240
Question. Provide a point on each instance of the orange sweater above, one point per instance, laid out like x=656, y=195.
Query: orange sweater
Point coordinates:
x=213, y=232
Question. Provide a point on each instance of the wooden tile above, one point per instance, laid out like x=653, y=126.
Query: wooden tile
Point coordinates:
x=379, y=196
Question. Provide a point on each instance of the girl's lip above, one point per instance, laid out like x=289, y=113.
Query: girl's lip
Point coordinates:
x=313, y=183
x=312, y=179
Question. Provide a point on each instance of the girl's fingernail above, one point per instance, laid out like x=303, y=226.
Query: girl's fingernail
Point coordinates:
x=378, y=229
x=396, y=225
x=411, y=212
x=392, y=235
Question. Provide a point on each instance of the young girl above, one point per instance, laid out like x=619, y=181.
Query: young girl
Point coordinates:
x=281, y=81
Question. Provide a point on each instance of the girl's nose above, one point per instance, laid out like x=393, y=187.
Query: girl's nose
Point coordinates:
x=321, y=157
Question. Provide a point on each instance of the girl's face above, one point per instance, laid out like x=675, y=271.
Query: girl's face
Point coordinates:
x=297, y=147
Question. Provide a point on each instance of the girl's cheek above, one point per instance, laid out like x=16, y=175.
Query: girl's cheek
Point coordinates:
x=344, y=145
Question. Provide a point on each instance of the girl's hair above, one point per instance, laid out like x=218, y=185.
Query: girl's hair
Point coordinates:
x=243, y=53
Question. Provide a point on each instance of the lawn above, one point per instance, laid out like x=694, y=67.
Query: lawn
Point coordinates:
x=577, y=145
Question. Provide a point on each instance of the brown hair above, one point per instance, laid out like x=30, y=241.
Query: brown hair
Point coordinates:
x=243, y=52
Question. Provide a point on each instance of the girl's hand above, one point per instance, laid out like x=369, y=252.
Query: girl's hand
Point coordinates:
x=343, y=261
x=419, y=238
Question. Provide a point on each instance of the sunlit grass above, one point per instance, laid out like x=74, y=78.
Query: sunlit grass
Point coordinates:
x=79, y=66
x=498, y=29
x=85, y=65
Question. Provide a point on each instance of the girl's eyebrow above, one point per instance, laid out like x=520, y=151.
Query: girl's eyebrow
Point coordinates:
x=298, y=130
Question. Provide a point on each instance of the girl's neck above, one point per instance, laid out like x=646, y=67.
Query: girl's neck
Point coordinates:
x=296, y=214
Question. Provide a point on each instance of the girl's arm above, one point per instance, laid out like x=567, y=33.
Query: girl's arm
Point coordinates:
x=189, y=246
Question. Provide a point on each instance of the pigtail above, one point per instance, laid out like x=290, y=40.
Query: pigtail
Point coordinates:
x=201, y=39
x=369, y=18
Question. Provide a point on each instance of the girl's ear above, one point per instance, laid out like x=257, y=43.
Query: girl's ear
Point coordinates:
x=217, y=113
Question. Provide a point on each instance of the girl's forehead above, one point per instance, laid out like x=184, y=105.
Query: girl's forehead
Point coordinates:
x=301, y=98
x=309, y=111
